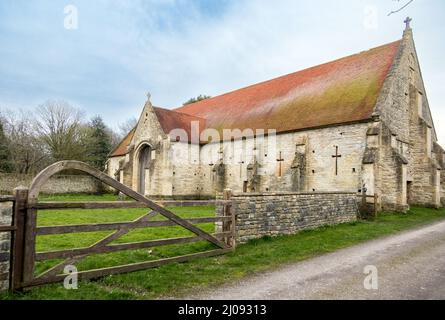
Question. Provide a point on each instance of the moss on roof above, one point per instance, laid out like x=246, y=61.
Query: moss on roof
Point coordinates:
x=341, y=91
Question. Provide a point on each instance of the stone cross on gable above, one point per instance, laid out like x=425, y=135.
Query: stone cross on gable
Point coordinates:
x=408, y=22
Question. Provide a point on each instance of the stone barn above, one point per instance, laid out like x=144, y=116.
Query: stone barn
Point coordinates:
x=357, y=124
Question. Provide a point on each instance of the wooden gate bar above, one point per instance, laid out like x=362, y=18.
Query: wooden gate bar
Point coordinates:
x=70, y=253
x=118, y=204
x=7, y=228
x=117, y=225
x=101, y=243
x=94, y=274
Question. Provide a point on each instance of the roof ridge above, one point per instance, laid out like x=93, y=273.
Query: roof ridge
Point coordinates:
x=180, y=112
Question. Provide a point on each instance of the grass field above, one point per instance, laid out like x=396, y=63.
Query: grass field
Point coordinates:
x=178, y=279
x=82, y=240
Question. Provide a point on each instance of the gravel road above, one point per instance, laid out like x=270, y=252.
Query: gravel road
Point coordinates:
x=410, y=265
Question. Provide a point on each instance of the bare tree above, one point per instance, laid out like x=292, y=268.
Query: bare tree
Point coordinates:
x=5, y=154
x=126, y=127
x=27, y=153
x=115, y=137
x=59, y=126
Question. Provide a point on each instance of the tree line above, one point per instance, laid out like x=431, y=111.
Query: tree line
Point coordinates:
x=54, y=131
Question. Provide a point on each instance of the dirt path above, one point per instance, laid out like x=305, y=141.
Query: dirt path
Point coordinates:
x=410, y=265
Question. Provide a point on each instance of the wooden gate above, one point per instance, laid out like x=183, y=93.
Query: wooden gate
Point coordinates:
x=26, y=212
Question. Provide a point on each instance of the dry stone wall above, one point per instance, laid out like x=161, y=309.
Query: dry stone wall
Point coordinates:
x=275, y=214
x=56, y=185
x=5, y=244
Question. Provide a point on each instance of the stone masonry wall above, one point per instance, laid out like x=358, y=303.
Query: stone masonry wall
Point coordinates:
x=5, y=243
x=411, y=133
x=275, y=214
x=56, y=185
x=317, y=146
x=442, y=191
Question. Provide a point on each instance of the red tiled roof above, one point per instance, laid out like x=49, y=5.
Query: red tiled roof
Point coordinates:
x=171, y=120
x=121, y=149
x=341, y=91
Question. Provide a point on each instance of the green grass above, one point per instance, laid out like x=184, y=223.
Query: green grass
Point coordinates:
x=76, y=197
x=180, y=279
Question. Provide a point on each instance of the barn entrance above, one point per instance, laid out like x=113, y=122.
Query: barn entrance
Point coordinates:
x=144, y=163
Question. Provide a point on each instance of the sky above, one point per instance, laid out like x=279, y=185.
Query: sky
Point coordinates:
x=107, y=59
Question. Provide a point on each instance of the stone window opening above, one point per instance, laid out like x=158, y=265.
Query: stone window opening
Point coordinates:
x=245, y=186
x=280, y=160
x=420, y=104
x=412, y=75
x=353, y=170
x=428, y=142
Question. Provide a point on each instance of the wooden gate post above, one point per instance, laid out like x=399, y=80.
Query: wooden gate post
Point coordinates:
x=376, y=209
x=18, y=240
x=233, y=225
x=229, y=226
x=364, y=203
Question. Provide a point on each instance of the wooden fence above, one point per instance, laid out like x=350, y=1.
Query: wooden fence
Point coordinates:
x=25, y=230
x=368, y=205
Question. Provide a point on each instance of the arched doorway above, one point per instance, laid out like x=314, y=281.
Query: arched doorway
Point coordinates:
x=144, y=162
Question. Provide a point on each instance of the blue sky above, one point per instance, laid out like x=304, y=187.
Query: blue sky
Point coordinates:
x=177, y=49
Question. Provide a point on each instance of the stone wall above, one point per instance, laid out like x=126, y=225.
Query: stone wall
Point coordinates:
x=274, y=214
x=56, y=185
x=442, y=189
x=307, y=164
x=5, y=242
